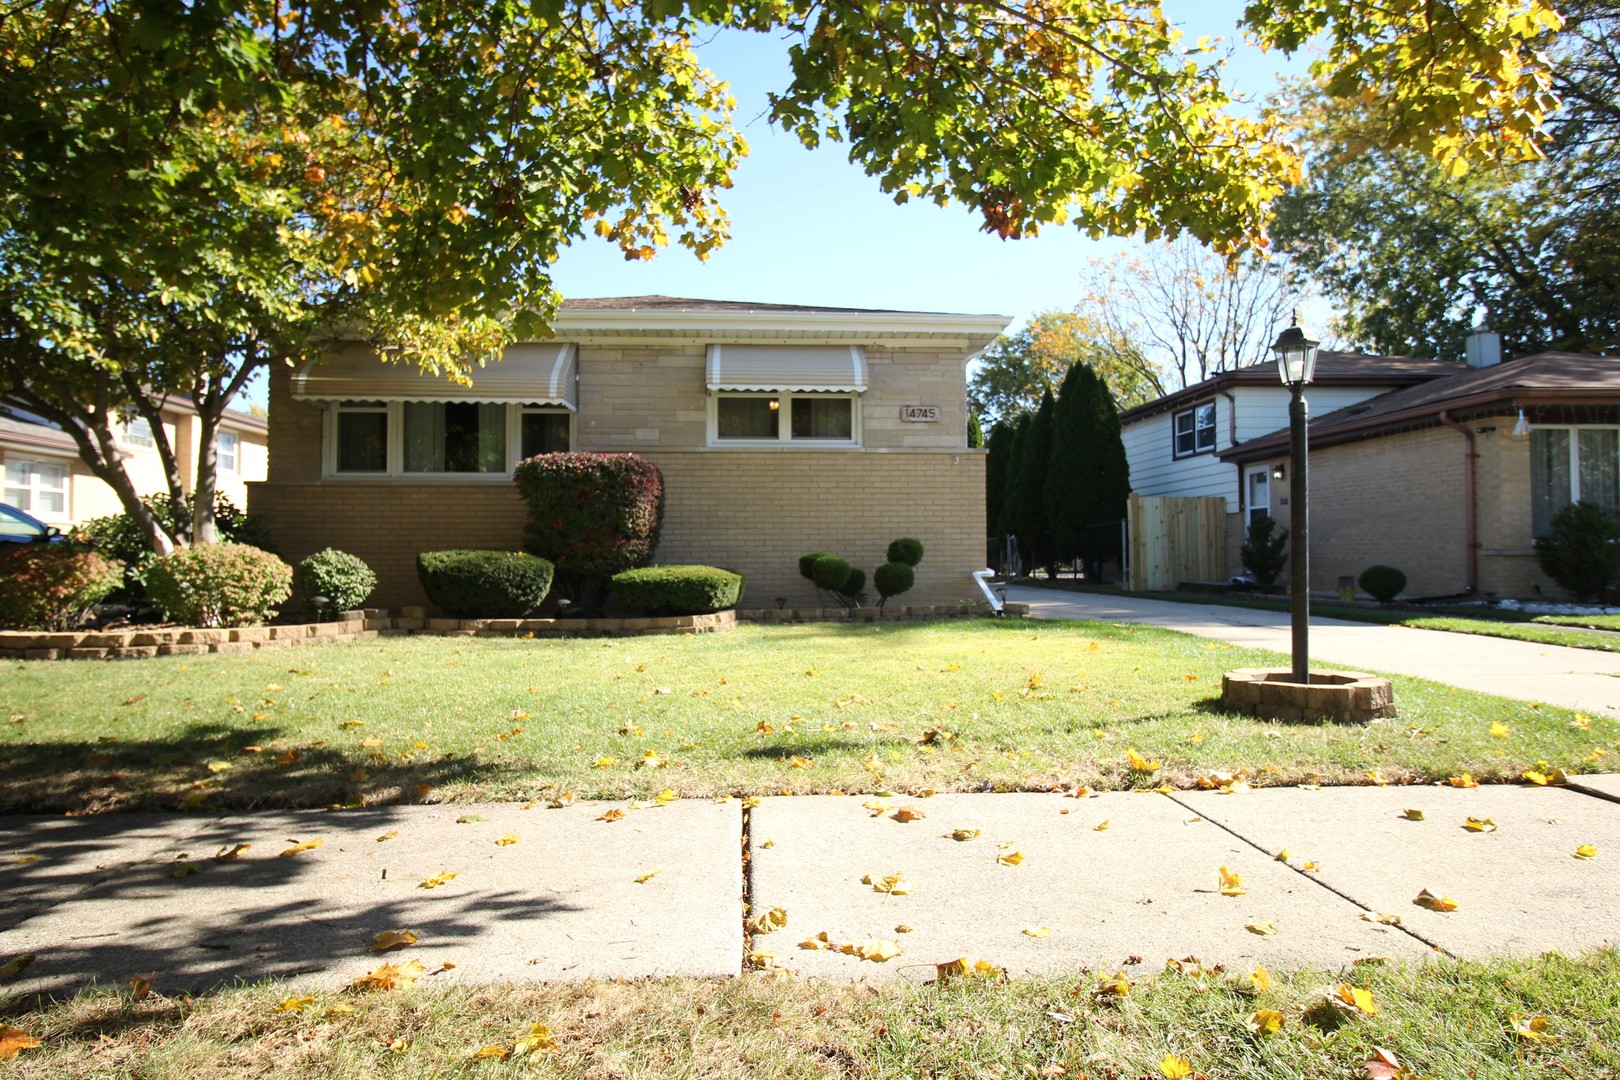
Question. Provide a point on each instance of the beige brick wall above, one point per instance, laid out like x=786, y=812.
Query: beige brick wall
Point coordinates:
x=754, y=511
x=1507, y=559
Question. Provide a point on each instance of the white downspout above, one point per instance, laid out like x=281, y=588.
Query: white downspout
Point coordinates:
x=982, y=578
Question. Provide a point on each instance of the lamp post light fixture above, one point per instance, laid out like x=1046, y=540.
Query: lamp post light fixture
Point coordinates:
x=1296, y=363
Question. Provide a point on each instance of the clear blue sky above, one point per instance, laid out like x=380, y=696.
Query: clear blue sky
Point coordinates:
x=808, y=227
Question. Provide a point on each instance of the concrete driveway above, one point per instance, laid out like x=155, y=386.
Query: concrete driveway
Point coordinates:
x=1574, y=678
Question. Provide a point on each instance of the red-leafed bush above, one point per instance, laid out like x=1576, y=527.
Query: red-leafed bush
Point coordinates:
x=592, y=515
x=49, y=586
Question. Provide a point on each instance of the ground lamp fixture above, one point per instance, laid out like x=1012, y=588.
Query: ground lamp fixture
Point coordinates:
x=1296, y=364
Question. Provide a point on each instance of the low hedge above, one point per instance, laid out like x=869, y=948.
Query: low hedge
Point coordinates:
x=216, y=585
x=49, y=586
x=678, y=590
x=476, y=584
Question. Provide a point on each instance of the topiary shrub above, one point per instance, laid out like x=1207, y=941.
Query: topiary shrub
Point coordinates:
x=905, y=550
x=892, y=579
x=476, y=584
x=117, y=537
x=218, y=585
x=1582, y=549
x=852, y=586
x=50, y=586
x=1263, y=554
x=591, y=515
x=345, y=580
x=829, y=572
x=1382, y=583
x=807, y=564
x=678, y=590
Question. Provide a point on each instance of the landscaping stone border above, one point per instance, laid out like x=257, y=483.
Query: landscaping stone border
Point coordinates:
x=1353, y=697
x=369, y=623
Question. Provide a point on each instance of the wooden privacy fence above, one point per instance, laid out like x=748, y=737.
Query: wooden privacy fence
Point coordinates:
x=1175, y=540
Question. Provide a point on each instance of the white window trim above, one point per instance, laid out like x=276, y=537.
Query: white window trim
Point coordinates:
x=1250, y=507
x=784, y=427
x=395, y=411
x=235, y=453
x=66, y=490
x=142, y=442
x=1575, y=451
x=1214, y=430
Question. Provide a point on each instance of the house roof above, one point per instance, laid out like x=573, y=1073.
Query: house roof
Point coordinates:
x=1545, y=379
x=26, y=430
x=632, y=318
x=1332, y=369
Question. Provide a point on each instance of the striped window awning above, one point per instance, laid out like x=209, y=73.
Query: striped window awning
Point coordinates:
x=540, y=374
x=828, y=368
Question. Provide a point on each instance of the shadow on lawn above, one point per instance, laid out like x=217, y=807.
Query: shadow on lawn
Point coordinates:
x=212, y=767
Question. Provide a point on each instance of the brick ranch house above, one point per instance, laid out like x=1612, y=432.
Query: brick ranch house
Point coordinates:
x=1442, y=480
x=779, y=429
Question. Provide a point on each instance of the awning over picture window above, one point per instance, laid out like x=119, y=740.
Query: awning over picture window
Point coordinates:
x=830, y=368
x=540, y=374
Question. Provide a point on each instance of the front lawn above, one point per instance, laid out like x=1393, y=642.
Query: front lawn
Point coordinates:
x=955, y=706
x=1442, y=1019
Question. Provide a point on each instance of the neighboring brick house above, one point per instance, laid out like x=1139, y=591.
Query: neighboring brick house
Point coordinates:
x=1179, y=445
x=1443, y=482
x=44, y=476
x=779, y=429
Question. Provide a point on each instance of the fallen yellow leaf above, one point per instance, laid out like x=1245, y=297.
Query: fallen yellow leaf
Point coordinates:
x=1037, y=931
x=140, y=986
x=604, y=762
x=1412, y=815
x=1175, y=1068
x=1586, y=851
x=1475, y=824
x=1262, y=979
x=393, y=939
x=1466, y=780
x=894, y=884
x=664, y=797
x=1264, y=929
x=390, y=977
x=964, y=967
x=614, y=814
x=1265, y=1021
x=1112, y=986
x=308, y=845
x=768, y=921
x=227, y=853
x=1500, y=730
x=506, y=841
x=1537, y=778
x=648, y=876
x=1532, y=1028
x=1139, y=763
x=1380, y=917
x=389, y=835
x=15, y=966
x=962, y=834
x=536, y=1042
x=1231, y=883
x=13, y=1040
x=908, y=813
x=437, y=879
x=1010, y=858
x=876, y=951
x=1427, y=899
x=1101, y=826
x=295, y=1004
x=500, y=1052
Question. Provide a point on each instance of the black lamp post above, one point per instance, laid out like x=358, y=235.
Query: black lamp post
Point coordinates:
x=1296, y=363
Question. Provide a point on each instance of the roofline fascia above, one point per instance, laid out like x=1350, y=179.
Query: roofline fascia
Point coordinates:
x=1243, y=377
x=842, y=322
x=1267, y=445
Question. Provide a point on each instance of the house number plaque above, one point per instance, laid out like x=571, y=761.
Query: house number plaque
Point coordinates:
x=920, y=414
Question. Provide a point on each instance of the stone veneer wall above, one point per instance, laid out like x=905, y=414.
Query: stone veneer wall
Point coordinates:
x=753, y=511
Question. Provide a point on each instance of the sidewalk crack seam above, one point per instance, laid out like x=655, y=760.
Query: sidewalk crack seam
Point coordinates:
x=746, y=855
x=1402, y=927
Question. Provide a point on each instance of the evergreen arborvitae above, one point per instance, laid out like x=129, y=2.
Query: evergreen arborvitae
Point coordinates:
x=1007, y=522
x=1088, y=480
x=1027, y=502
x=975, y=434
x=995, y=476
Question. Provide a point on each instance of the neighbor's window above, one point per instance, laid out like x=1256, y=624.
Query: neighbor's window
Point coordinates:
x=362, y=437
x=1194, y=430
x=37, y=487
x=454, y=437
x=809, y=418
x=543, y=431
x=138, y=432
x=1572, y=464
x=226, y=446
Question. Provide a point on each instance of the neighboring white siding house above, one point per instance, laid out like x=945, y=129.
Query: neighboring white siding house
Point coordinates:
x=1172, y=443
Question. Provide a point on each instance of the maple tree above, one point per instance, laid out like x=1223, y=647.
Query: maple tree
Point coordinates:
x=192, y=193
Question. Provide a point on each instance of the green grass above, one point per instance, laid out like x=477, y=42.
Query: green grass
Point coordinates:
x=955, y=706
x=1442, y=1018
x=1575, y=631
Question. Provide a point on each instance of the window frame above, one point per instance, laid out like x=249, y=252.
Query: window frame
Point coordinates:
x=1176, y=453
x=34, y=489
x=234, y=454
x=1574, y=452
x=145, y=440
x=784, y=426
x=394, y=412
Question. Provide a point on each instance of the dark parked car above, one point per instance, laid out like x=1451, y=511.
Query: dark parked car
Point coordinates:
x=17, y=527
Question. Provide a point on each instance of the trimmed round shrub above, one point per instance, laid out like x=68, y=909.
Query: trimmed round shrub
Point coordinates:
x=1581, y=550
x=49, y=586
x=905, y=550
x=471, y=583
x=345, y=580
x=218, y=585
x=893, y=578
x=678, y=590
x=807, y=564
x=852, y=587
x=591, y=514
x=829, y=572
x=1382, y=583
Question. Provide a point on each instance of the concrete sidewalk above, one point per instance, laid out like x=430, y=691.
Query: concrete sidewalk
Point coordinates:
x=1574, y=678
x=1102, y=882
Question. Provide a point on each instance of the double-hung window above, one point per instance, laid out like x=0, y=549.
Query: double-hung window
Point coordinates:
x=37, y=487
x=138, y=432
x=1569, y=465
x=1193, y=430
x=785, y=395
x=227, y=450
